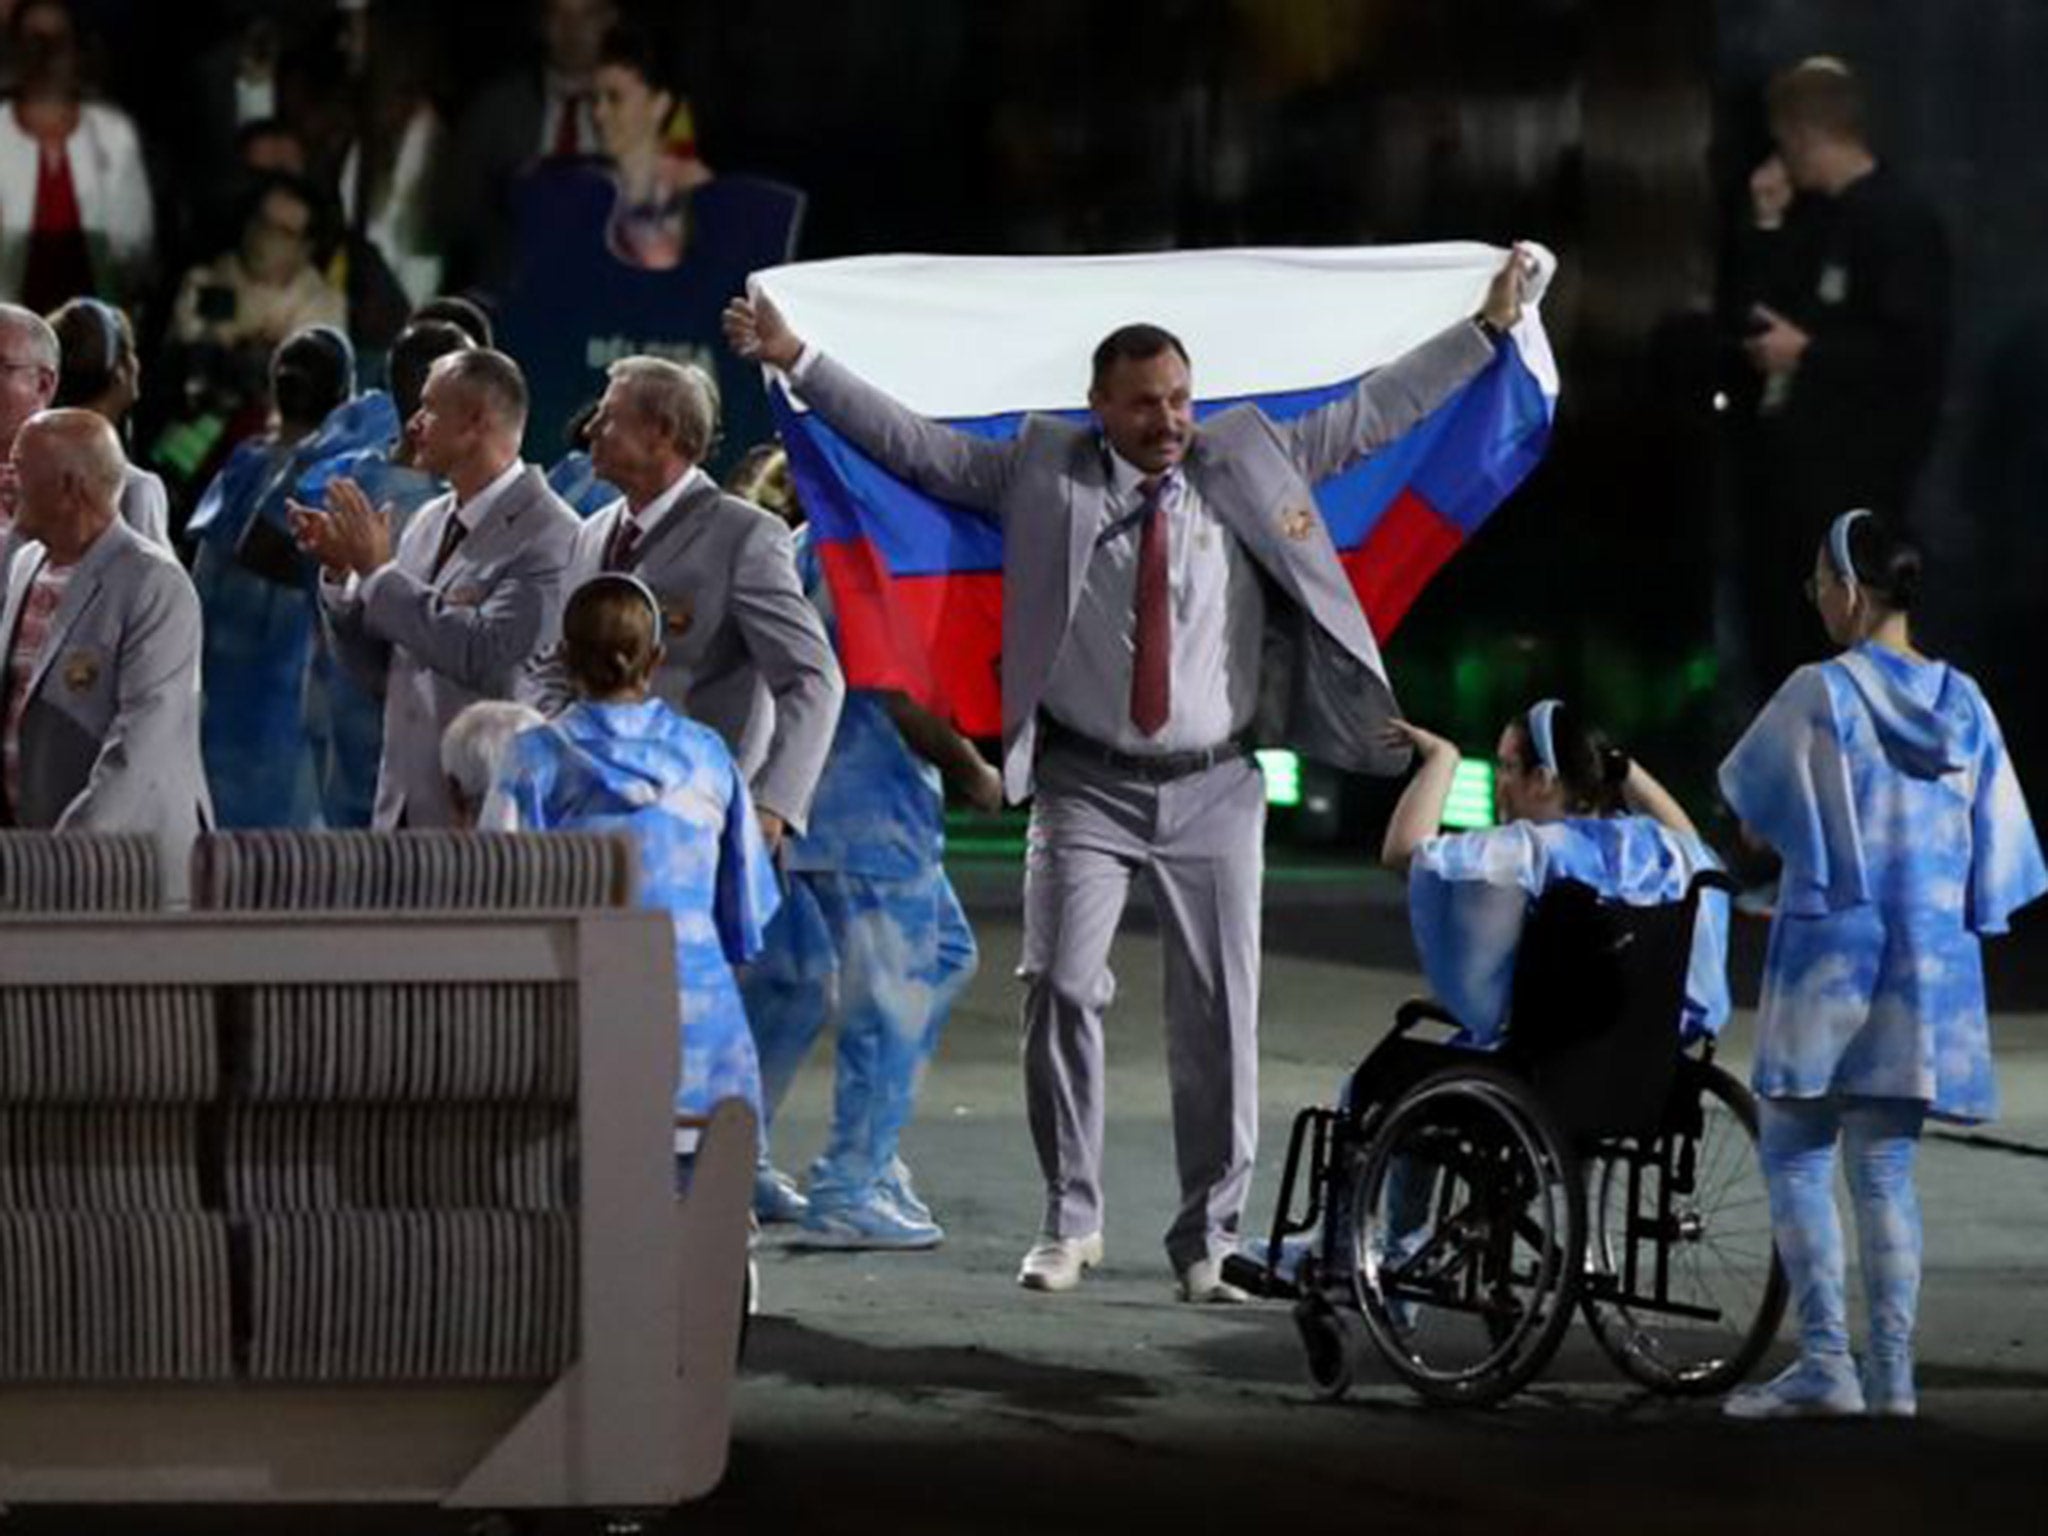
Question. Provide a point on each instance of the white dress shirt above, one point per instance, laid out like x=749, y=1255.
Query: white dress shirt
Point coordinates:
x=1218, y=619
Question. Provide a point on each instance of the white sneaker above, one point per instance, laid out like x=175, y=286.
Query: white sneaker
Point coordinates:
x=1056, y=1263
x=1812, y=1387
x=1202, y=1282
x=1888, y=1389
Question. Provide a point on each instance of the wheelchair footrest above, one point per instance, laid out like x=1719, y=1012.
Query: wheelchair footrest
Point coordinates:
x=1248, y=1274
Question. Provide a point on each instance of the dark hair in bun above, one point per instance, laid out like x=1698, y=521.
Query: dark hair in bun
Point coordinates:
x=1886, y=562
x=1589, y=765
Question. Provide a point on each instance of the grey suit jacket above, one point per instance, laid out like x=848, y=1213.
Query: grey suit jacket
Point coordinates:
x=109, y=736
x=432, y=647
x=747, y=653
x=1324, y=690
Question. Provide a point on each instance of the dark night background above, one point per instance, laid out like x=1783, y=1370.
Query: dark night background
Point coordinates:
x=1619, y=132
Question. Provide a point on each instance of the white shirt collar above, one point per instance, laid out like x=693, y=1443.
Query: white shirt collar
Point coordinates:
x=1125, y=477
x=471, y=512
x=651, y=515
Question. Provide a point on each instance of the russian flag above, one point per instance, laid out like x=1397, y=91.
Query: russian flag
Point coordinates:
x=980, y=342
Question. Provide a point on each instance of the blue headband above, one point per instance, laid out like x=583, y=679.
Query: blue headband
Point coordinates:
x=1540, y=716
x=1838, y=545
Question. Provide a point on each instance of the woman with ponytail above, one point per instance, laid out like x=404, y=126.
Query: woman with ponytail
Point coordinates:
x=1881, y=780
x=620, y=760
x=1572, y=807
x=101, y=373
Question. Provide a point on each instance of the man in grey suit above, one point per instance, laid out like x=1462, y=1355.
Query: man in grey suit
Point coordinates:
x=1167, y=589
x=746, y=653
x=30, y=361
x=101, y=629
x=472, y=590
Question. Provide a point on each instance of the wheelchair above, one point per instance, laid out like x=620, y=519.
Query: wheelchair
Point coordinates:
x=1459, y=1206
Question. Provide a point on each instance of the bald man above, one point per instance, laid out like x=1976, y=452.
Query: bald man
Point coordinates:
x=101, y=668
x=449, y=612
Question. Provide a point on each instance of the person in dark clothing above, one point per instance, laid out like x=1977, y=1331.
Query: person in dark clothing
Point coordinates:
x=1846, y=312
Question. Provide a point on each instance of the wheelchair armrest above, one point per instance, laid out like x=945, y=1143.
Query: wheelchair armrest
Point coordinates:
x=1422, y=1010
x=1713, y=880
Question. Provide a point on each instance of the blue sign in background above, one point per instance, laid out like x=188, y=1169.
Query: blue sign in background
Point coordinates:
x=573, y=307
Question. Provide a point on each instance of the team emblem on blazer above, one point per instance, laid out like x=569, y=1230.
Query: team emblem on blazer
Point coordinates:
x=675, y=619
x=466, y=596
x=81, y=671
x=1298, y=523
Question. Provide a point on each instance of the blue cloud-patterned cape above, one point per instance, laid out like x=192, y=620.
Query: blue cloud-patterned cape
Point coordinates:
x=1469, y=895
x=1883, y=782
x=643, y=769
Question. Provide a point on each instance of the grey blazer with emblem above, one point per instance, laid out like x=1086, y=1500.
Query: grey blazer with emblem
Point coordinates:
x=1323, y=689
x=109, y=736
x=746, y=653
x=433, y=647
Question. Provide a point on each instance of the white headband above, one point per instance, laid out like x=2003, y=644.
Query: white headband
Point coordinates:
x=1540, y=734
x=1838, y=545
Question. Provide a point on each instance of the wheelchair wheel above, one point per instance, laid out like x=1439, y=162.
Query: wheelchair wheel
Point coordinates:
x=1684, y=1288
x=1467, y=1224
x=1329, y=1344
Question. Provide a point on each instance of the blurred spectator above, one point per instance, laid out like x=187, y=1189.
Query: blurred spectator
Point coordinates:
x=655, y=163
x=100, y=372
x=466, y=315
x=269, y=146
x=75, y=211
x=573, y=476
x=529, y=114
x=248, y=299
x=256, y=592
x=389, y=174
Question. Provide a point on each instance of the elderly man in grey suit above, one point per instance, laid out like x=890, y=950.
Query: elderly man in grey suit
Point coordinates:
x=746, y=653
x=101, y=630
x=1145, y=561
x=472, y=590
x=31, y=377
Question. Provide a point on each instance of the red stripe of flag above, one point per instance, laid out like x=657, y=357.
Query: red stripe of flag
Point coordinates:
x=1406, y=547
x=935, y=638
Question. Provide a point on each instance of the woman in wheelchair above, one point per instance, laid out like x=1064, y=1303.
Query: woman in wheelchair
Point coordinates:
x=1880, y=778
x=1564, y=1151
x=1572, y=807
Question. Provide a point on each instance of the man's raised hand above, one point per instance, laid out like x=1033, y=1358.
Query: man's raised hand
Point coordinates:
x=1504, y=295
x=755, y=329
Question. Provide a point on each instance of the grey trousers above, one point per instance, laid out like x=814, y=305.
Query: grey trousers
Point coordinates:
x=1200, y=841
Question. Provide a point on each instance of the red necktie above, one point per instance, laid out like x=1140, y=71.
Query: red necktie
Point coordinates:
x=625, y=543
x=1152, y=638
x=569, y=126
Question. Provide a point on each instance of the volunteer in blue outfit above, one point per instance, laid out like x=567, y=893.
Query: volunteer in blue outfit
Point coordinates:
x=1571, y=807
x=366, y=442
x=1880, y=777
x=257, y=592
x=620, y=760
x=871, y=939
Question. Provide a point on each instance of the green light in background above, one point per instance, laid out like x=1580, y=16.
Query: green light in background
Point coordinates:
x=1470, y=805
x=1283, y=777
x=1702, y=672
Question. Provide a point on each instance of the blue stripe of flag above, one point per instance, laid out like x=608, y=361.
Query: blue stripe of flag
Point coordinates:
x=1462, y=459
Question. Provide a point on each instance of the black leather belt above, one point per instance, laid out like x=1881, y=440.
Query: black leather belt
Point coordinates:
x=1153, y=767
